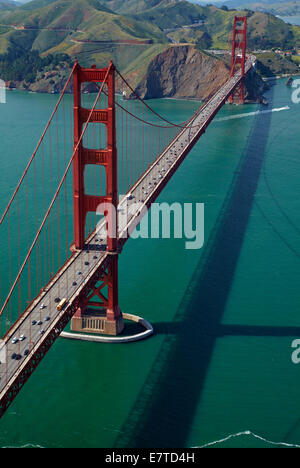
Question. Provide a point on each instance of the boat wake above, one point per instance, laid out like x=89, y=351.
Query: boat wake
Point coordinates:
x=251, y=434
x=23, y=446
x=248, y=114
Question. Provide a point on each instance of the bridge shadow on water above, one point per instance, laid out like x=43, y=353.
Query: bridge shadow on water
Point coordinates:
x=164, y=411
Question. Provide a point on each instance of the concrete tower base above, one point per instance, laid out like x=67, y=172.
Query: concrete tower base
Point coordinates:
x=96, y=321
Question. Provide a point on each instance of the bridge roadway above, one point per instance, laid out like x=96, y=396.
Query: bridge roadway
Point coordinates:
x=82, y=268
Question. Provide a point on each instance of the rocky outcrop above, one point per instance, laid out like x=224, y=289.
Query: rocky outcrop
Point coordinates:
x=51, y=81
x=185, y=72
x=182, y=72
x=254, y=87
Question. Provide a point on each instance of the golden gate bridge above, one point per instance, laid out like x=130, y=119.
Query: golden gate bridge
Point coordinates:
x=58, y=265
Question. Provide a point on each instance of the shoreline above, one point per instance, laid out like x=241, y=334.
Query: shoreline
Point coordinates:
x=278, y=77
x=165, y=98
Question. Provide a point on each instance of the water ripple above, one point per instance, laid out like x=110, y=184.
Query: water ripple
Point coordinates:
x=248, y=433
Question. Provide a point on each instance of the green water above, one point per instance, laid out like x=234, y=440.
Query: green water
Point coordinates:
x=225, y=316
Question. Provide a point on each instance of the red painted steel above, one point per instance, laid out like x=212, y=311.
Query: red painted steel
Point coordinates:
x=107, y=158
x=106, y=275
x=238, y=53
x=46, y=217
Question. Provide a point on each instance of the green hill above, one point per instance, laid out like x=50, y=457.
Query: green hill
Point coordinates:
x=7, y=6
x=57, y=26
x=34, y=4
x=276, y=7
x=130, y=32
x=134, y=6
x=264, y=30
x=63, y=25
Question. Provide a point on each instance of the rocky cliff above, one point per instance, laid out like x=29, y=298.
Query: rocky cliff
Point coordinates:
x=254, y=87
x=48, y=81
x=185, y=72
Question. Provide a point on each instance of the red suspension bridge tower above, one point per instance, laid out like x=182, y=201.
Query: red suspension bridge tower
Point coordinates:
x=108, y=317
x=238, y=55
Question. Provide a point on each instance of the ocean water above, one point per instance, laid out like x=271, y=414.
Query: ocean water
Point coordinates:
x=291, y=19
x=218, y=371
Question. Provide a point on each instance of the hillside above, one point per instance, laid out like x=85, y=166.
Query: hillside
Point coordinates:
x=176, y=73
x=7, y=6
x=276, y=7
x=135, y=6
x=189, y=21
x=185, y=72
x=130, y=32
x=57, y=26
x=65, y=25
x=271, y=64
x=183, y=21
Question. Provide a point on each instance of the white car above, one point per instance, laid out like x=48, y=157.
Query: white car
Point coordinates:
x=42, y=306
x=15, y=340
x=22, y=338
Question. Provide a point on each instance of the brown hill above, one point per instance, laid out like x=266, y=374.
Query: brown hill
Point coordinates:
x=185, y=72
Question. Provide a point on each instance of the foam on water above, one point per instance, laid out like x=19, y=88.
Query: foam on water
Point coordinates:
x=251, y=434
x=23, y=446
x=249, y=114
